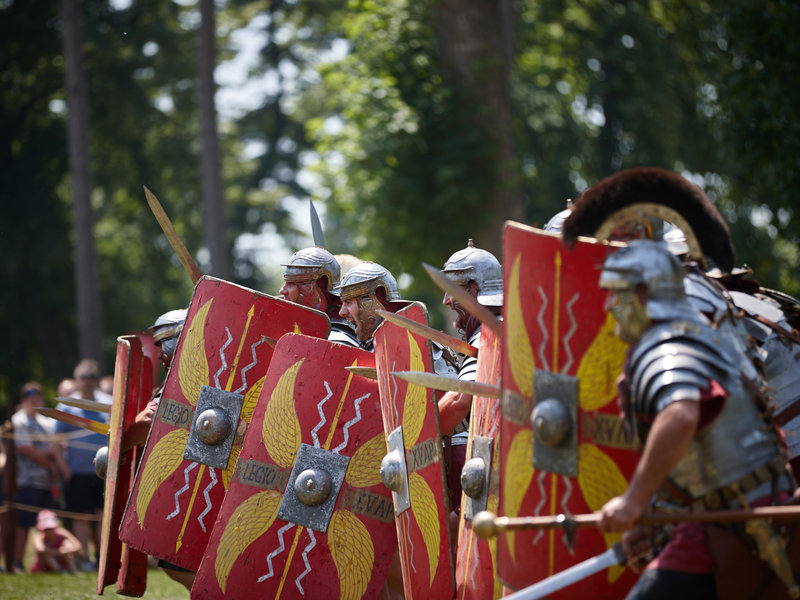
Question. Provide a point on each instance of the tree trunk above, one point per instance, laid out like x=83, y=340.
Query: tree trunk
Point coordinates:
x=87, y=286
x=210, y=168
x=476, y=45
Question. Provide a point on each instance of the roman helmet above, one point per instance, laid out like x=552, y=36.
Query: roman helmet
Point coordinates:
x=167, y=329
x=309, y=264
x=362, y=283
x=480, y=266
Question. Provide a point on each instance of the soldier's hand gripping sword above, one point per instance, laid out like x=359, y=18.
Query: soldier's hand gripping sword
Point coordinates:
x=486, y=524
x=172, y=236
x=470, y=304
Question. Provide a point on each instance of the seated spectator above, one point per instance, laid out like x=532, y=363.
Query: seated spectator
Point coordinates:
x=55, y=547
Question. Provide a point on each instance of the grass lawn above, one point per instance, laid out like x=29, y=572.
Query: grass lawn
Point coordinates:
x=82, y=586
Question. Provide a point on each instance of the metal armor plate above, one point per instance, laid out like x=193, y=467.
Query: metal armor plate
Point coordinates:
x=476, y=562
x=117, y=562
x=306, y=514
x=422, y=529
x=558, y=342
x=223, y=346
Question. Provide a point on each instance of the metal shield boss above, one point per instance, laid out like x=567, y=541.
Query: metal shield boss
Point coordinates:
x=306, y=514
x=206, y=405
x=476, y=559
x=563, y=447
x=117, y=562
x=413, y=466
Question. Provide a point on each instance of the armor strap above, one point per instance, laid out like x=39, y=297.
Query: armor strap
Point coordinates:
x=789, y=335
x=728, y=496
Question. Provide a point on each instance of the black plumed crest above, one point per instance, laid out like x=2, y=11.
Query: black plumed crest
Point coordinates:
x=658, y=186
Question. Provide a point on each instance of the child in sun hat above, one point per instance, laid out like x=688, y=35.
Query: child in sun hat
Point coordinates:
x=55, y=547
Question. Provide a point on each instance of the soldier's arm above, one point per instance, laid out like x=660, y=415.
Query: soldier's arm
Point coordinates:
x=669, y=437
x=453, y=408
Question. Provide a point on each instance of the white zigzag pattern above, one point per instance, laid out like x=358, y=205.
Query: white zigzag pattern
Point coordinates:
x=565, y=340
x=543, y=327
x=322, y=419
x=222, y=357
x=281, y=547
x=308, y=549
x=350, y=423
x=539, y=506
x=208, y=499
x=250, y=366
x=186, y=472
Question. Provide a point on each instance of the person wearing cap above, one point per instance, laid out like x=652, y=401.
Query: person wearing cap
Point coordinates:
x=55, y=547
x=366, y=289
x=309, y=278
x=39, y=463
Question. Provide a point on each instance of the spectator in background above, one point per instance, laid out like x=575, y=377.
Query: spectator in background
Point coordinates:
x=66, y=388
x=39, y=464
x=84, y=490
x=55, y=547
x=107, y=384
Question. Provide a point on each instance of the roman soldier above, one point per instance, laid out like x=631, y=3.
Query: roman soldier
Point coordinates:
x=694, y=400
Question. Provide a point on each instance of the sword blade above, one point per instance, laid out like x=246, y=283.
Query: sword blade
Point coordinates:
x=172, y=236
x=430, y=333
x=611, y=557
x=316, y=226
x=86, y=404
x=465, y=299
x=95, y=426
x=449, y=384
x=368, y=372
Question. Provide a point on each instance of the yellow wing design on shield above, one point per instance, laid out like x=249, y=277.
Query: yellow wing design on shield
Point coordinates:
x=518, y=344
x=281, y=428
x=166, y=456
x=600, y=480
x=249, y=521
x=353, y=554
x=516, y=478
x=426, y=513
x=600, y=365
x=416, y=397
x=365, y=465
x=193, y=363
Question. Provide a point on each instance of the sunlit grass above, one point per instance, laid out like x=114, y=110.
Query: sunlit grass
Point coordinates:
x=81, y=586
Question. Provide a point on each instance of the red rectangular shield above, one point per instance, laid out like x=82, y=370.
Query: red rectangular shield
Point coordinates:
x=117, y=562
x=423, y=517
x=306, y=514
x=560, y=351
x=476, y=561
x=219, y=366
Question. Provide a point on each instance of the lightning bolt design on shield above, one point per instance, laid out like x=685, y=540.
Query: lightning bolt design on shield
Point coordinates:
x=542, y=498
x=572, y=329
x=222, y=358
x=281, y=547
x=252, y=364
x=322, y=419
x=350, y=423
x=304, y=554
x=186, y=472
x=567, y=494
x=208, y=507
x=543, y=327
